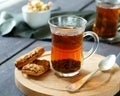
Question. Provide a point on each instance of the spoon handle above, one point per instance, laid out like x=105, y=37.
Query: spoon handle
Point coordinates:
x=78, y=84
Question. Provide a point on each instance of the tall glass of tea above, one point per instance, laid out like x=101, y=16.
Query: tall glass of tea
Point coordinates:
x=107, y=16
x=67, y=44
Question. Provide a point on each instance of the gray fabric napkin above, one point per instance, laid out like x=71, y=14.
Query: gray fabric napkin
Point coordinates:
x=14, y=25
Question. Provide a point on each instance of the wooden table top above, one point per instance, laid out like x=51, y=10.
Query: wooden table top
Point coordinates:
x=12, y=47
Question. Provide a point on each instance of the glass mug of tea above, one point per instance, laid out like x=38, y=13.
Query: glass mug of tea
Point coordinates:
x=107, y=16
x=67, y=39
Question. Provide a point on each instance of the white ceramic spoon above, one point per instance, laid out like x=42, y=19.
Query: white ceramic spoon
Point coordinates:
x=104, y=65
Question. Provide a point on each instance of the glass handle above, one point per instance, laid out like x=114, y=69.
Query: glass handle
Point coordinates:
x=95, y=45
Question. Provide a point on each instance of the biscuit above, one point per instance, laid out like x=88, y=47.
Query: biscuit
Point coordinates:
x=36, y=68
x=29, y=57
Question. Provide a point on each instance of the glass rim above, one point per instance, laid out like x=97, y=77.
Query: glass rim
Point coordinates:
x=114, y=2
x=54, y=25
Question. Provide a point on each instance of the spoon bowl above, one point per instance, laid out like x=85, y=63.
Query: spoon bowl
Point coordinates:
x=107, y=63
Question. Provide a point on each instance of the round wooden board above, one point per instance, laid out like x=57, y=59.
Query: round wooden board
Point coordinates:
x=101, y=84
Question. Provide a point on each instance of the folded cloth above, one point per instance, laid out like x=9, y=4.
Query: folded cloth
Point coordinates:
x=14, y=25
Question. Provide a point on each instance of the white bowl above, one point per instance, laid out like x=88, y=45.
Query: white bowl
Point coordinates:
x=35, y=19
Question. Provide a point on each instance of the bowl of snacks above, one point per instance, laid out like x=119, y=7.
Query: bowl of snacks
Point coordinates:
x=36, y=13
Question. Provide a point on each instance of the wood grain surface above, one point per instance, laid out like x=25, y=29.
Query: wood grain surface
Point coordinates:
x=11, y=46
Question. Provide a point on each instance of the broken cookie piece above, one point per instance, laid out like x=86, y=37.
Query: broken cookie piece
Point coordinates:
x=36, y=68
x=29, y=57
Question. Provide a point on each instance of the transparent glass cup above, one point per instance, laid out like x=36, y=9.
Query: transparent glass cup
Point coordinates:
x=107, y=17
x=67, y=42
